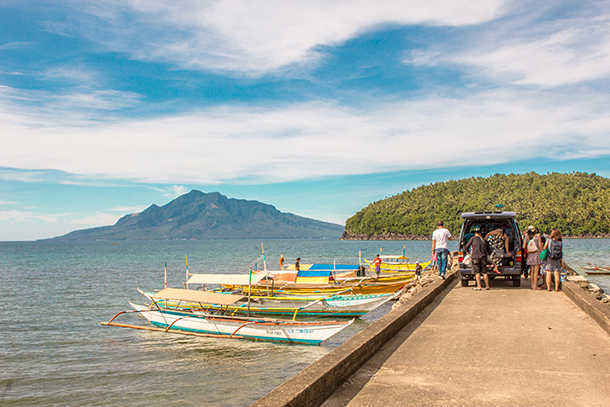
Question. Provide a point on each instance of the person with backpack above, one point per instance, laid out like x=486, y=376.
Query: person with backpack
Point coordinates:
x=479, y=257
x=554, y=246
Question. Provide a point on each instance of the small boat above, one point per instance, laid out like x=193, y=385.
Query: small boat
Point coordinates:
x=397, y=264
x=204, y=323
x=596, y=270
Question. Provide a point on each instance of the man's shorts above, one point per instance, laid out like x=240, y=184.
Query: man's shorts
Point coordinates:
x=479, y=266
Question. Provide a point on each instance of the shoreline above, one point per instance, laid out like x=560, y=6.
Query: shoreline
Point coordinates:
x=393, y=236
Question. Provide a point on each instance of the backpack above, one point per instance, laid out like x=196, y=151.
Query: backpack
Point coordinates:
x=531, y=246
x=555, y=249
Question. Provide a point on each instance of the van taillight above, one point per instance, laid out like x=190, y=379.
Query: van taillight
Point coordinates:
x=518, y=255
x=460, y=256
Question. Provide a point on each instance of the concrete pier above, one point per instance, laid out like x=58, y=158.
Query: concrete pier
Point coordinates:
x=506, y=346
x=503, y=347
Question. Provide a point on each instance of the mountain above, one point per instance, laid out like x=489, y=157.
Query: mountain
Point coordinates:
x=198, y=215
x=578, y=204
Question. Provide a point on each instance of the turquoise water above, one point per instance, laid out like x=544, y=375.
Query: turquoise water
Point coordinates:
x=53, y=350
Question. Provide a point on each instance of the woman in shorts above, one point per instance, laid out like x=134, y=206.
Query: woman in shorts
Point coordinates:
x=553, y=266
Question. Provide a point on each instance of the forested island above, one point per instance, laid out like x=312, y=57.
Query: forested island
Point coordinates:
x=576, y=203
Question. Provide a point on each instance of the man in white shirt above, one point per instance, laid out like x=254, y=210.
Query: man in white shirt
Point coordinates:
x=440, y=240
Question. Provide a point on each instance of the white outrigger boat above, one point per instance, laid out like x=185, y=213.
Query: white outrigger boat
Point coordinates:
x=205, y=323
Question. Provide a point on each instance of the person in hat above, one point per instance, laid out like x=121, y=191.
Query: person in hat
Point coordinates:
x=479, y=257
x=532, y=243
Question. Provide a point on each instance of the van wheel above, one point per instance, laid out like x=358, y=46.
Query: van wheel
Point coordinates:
x=464, y=282
x=517, y=281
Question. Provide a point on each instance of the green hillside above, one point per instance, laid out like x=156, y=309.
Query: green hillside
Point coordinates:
x=575, y=203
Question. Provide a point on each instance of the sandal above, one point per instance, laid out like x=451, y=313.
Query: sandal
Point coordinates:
x=476, y=289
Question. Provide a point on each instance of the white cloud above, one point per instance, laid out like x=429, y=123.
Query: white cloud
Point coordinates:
x=10, y=174
x=523, y=51
x=128, y=209
x=14, y=45
x=255, y=37
x=299, y=141
x=15, y=216
x=176, y=190
x=98, y=219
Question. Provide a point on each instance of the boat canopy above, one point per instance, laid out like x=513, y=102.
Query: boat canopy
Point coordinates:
x=207, y=297
x=233, y=279
x=394, y=257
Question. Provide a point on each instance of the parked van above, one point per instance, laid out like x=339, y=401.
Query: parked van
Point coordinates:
x=513, y=258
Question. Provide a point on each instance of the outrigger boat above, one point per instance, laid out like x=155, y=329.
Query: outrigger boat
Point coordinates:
x=355, y=286
x=596, y=270
x=204, y=323
x=333, y=305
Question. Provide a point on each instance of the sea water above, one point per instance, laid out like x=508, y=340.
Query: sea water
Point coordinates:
x=54, y=352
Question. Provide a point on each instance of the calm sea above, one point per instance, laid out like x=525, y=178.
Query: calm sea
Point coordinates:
x=53, y=350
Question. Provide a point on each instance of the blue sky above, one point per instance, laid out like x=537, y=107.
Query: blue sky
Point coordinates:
x=316, y=107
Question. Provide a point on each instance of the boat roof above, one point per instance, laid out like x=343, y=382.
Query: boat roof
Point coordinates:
x=392, y=256
x=207, y=297
x=234, y=279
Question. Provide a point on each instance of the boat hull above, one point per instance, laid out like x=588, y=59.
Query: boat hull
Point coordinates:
x=310, y=333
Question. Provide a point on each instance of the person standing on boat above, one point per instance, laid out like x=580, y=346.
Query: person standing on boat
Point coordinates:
x=281, y=262
x=440, y=240
x=377, y=264
x=297, y=265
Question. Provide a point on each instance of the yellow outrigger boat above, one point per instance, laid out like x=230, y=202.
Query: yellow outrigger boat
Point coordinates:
x=356, y=286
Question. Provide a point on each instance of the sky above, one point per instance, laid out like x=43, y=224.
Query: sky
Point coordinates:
x=316, y=107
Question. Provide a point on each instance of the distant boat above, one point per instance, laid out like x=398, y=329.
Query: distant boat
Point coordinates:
x=596, y=270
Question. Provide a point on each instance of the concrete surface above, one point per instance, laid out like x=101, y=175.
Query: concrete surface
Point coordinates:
x=599, y=312
x=504, y=347
x=314, y=384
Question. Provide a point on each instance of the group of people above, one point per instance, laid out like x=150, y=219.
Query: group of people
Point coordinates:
x=549, y=264
x=543, y=255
